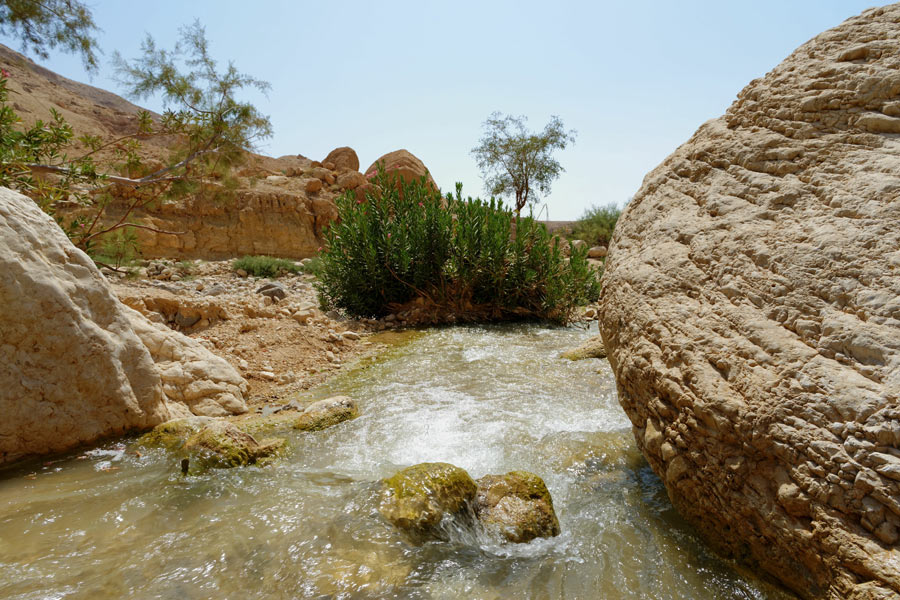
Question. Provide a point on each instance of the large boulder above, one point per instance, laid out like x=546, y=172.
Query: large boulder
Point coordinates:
x=74, y=361
x=343, y=159
x=402, y=164
x=751, y=311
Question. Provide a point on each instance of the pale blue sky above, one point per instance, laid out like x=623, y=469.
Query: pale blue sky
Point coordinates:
x=635, y=78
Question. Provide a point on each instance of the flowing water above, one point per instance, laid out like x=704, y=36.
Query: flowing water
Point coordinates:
x=117, y=523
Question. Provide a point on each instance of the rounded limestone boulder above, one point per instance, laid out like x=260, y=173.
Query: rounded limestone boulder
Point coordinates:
x=417, y=498
x=517, y=506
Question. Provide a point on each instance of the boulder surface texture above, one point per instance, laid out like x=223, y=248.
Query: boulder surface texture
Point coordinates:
x=751, y=312
x=74, y=361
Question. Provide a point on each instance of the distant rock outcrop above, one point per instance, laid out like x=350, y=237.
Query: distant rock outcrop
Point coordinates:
x=343, y=159
x=77, y=365
x=751, y=310
x=402, y=163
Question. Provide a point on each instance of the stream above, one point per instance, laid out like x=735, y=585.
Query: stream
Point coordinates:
x=115, y=522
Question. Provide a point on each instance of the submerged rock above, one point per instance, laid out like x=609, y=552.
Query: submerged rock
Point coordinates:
x=516, y=505
x=212, y=442
x=750, y=309
x=417, y=498
x=326, y=413
x=593, y=348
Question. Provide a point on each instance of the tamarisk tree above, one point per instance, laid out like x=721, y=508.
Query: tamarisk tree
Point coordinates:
x=515, y=161
x=207, y=129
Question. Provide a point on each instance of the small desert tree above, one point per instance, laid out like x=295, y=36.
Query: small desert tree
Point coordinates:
x=207, y=128
x=516, y=161
x=67, y=24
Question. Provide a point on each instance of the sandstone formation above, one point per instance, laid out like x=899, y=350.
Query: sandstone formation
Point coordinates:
x=751, y=311
x=403, y=164
x=74, y=361
x=343, y=159
x=261, y=220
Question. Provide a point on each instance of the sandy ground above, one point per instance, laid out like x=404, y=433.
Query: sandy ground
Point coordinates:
x=281, y=346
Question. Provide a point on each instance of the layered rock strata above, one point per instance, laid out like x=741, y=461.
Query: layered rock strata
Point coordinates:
x=751, y=312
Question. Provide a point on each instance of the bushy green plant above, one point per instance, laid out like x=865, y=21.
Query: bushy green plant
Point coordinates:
x=465, y=258
x=596, y=225
x=265, y=266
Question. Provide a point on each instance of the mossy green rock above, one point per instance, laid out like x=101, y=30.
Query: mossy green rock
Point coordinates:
x=326, y=413
x=517, y=506
x=222, y=444
x=593, y=348
x=417, y=498
x=210, y=442
x=173, y=434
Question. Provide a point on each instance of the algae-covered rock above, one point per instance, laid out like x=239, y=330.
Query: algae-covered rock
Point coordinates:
x=417, y=498
x=173, y=434
x=211, y=442
x=326, y=413
x=223, y=444
x=593, y=348
x=517, y=506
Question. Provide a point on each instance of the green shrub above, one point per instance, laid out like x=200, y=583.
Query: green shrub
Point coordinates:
x=265, y=266
x=463, y=258
x=596, y=225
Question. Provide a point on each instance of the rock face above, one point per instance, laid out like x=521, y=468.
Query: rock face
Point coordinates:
x=402, y=163
x=751, y=310
x=74, y=361
x=259, y=221
x=517, y=506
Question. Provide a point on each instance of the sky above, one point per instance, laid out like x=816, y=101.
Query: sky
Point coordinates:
x=634, y=79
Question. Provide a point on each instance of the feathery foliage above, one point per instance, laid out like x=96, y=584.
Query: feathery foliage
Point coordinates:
x=518, y=162
x=67, y=24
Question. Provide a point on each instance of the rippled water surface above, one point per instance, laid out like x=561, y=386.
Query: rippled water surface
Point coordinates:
x=115, y=523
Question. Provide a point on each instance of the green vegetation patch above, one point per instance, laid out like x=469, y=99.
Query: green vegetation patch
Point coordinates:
x=596, y=225
x=457, y=258
x=265, y=266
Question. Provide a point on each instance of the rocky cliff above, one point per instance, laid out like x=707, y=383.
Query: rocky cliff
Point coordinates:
x=751, y=311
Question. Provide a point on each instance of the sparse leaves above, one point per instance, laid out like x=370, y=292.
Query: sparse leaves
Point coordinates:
x=515, y=161
x=44, y=24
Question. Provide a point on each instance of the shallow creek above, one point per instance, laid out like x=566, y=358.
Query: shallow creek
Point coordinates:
x=111, y=523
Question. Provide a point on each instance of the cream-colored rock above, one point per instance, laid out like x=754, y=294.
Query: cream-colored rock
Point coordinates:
x=72, y=369
x=751, y=310
x=77, y=365
x=195, y=380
